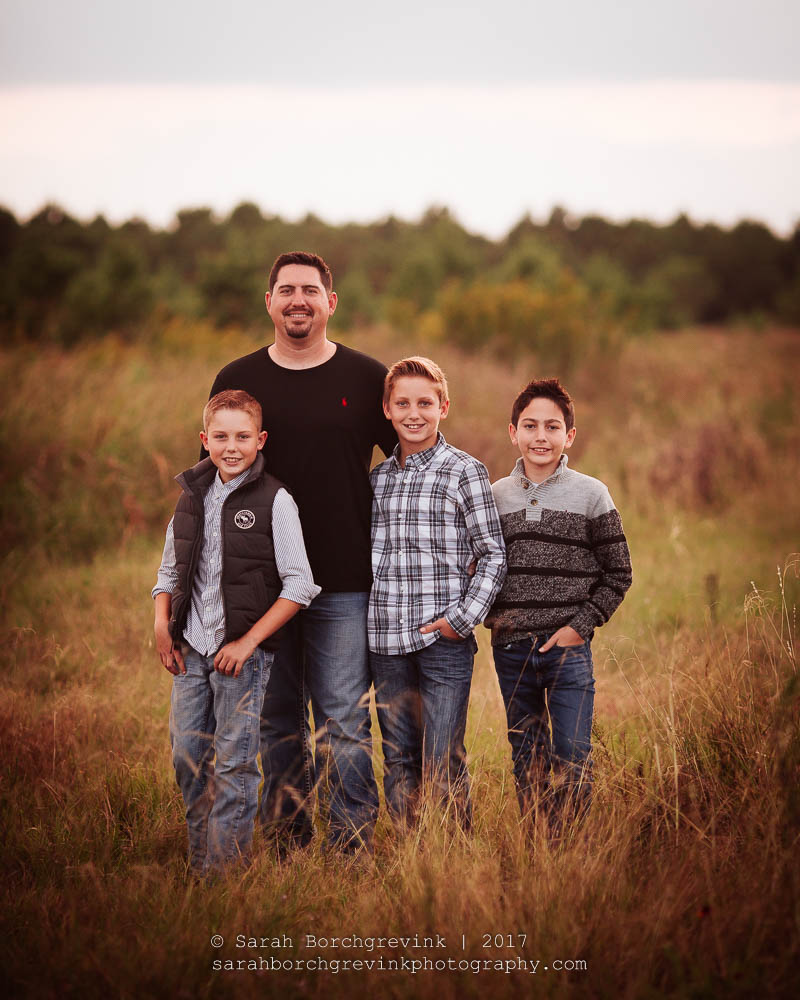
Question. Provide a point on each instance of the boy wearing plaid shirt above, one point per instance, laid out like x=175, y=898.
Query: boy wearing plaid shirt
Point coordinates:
x=433, y=519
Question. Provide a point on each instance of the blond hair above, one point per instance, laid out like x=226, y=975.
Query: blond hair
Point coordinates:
x=415, y=367
x=232, y=399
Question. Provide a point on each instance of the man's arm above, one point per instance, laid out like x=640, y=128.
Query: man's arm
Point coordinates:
x=220, y=383
x=386, y=437
x=383, y=433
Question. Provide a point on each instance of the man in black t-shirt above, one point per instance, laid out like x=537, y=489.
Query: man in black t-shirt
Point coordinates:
x=323, y=415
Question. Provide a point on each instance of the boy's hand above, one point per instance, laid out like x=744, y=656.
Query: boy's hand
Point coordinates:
x=565, y=636
x=441, y=625
x=231, y=658
x=169, y=654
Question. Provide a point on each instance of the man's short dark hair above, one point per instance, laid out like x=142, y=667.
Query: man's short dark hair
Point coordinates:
x=545, y=388
x=308, y=260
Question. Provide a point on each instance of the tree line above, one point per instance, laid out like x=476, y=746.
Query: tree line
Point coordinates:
x=561, y=280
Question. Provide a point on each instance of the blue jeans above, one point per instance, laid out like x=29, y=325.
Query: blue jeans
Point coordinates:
x=213, y=727
x=422, y=699
x=323, y=655
x=564, y=675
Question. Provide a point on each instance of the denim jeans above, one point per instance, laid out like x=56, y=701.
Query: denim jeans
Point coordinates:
x=544, y=692
x=213, y=725
x=323, y=656
x=422, y=699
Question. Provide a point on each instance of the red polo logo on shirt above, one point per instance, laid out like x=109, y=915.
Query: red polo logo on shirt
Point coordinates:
x=344, y=400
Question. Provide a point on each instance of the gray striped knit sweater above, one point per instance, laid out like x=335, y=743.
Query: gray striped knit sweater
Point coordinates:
x=568, y=561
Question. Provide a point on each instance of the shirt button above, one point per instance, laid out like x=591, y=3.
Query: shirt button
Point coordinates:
x=534, y=502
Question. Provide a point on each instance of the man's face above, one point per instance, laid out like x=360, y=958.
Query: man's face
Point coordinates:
x=299, y=305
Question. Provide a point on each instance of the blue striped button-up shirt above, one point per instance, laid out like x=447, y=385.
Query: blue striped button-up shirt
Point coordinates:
x=431, y=518
x=205, y=624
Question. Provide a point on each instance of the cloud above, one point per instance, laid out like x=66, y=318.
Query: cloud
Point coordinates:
x=491, y=153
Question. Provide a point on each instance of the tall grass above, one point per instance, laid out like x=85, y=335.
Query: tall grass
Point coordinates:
x=682, y=882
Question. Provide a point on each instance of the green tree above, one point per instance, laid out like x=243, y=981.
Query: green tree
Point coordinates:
x=114, y=294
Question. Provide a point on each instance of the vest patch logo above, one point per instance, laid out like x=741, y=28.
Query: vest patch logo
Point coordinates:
x=244, y=519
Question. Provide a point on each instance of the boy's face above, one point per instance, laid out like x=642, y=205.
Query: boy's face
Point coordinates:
x=233, y=441
x=415, y=411
x=542, y=437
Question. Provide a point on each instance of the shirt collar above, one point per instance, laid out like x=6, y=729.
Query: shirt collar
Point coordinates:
x=519, y=472
x=223, y=489
x=420, y=459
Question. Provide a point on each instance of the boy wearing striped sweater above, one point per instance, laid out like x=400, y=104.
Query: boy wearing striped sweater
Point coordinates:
x=568, y=571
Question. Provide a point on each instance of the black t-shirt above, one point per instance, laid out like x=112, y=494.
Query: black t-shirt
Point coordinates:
x=322, y=424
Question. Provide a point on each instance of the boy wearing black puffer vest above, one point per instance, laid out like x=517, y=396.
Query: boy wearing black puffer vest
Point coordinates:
x=233, y=572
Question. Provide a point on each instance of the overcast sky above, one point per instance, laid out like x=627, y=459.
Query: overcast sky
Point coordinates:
x=354, y=110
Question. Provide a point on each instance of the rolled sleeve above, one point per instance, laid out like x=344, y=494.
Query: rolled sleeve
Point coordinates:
x=167, y=579
x=488, y=548
x=291, y=560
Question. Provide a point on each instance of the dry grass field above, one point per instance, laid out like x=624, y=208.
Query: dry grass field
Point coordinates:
x=683, y=882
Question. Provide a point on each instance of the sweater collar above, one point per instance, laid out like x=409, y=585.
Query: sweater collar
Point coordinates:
x=519, y=473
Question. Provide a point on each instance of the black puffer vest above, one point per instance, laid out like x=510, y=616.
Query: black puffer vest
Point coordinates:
x=250, y=582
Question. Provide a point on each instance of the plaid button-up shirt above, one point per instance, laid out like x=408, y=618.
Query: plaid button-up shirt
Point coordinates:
x=430, y=520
